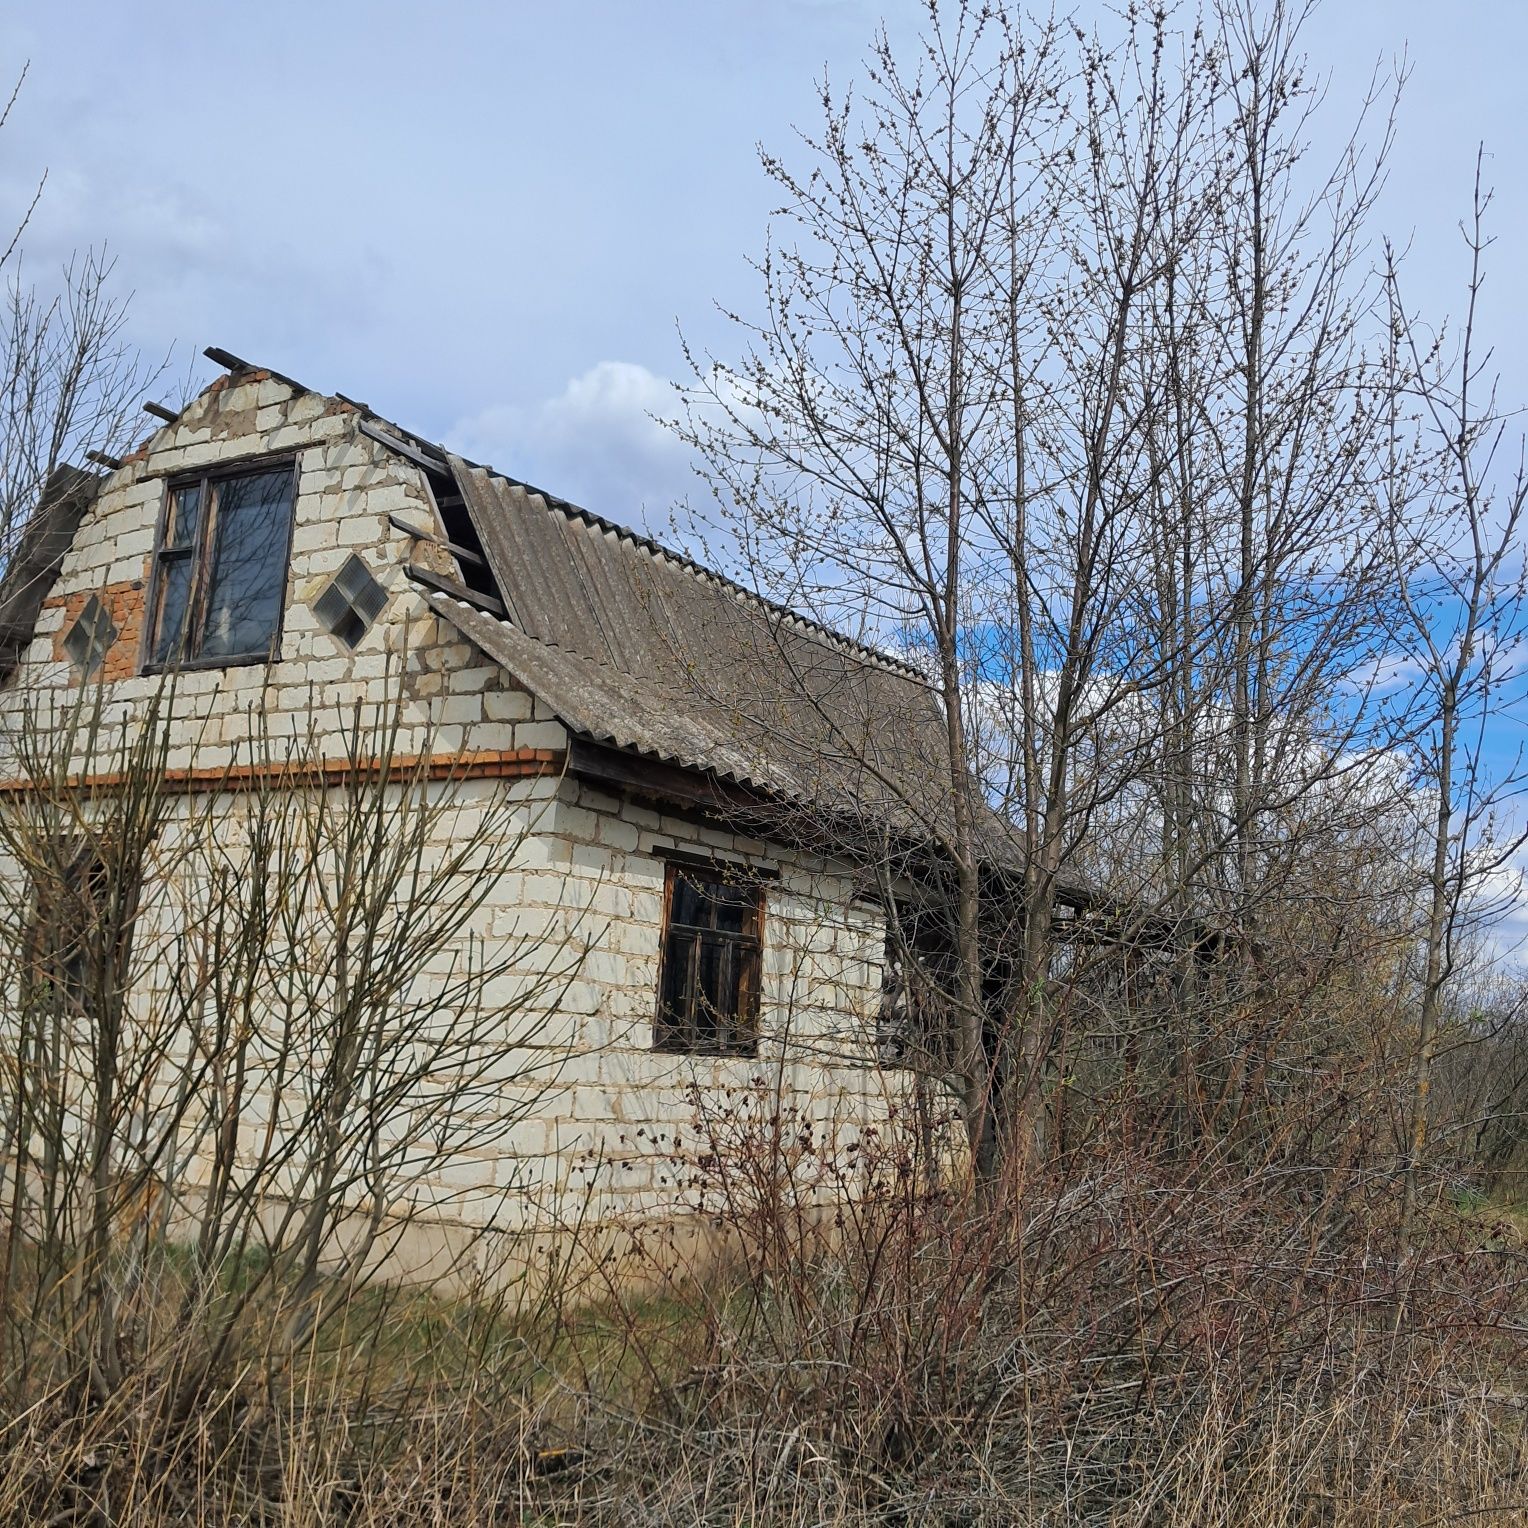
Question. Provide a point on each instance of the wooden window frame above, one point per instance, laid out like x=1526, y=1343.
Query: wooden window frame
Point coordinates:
x=70, y=960
x=685, y=1034
x=202, y=560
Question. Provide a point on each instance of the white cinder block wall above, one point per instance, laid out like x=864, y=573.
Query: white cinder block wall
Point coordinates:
x=603, y=1119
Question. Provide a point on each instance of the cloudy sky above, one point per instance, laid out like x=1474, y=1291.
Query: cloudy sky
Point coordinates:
x=489, y=218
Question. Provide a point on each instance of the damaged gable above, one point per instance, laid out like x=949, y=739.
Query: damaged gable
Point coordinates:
x=40, y=551
x=631, y=646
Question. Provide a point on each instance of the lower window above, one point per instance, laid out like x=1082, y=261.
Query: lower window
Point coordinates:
x=708, y=983
x=79, y=933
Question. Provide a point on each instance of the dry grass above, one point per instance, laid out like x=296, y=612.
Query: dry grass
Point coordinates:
x=1121, y=1346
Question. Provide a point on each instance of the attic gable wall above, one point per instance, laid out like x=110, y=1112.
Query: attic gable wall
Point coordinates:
x=348, y=487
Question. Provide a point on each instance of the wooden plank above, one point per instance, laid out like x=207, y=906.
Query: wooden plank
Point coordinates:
x=159, y=411
x=226, y=359
x=461, y=553
x=404, y=448
x=596, y=761
x=716, y=863
x=443, y=585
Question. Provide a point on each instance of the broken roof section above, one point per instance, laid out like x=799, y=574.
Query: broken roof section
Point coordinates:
x=639, y=648
x=37, y=557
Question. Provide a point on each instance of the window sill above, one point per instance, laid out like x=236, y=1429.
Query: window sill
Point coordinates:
x=709, y=1052
x=202, y=665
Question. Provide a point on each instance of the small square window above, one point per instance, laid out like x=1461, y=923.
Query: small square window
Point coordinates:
x=90, y=638
x=708, y=985
x=353, y=600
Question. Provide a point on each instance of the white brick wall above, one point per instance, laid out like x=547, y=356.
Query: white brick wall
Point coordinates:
x=596, y=1094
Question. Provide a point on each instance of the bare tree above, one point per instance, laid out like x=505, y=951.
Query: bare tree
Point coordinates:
x=1065, y=386
x=1457, y=557
x=71, y=379
x=852, y=435
x=251, y=1036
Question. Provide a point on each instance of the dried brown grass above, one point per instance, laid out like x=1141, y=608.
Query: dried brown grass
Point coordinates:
x=1125, y=1342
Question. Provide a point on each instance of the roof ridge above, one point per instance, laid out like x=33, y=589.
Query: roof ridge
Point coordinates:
x=655, y=548
x=805, y=623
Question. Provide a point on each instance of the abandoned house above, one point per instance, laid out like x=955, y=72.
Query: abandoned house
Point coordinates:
x=670, y=737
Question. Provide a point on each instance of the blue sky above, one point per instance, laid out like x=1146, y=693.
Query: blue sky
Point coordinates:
x=488, y=219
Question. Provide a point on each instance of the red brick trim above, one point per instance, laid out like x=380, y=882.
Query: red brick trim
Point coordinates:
x=124, y=603
x=481, y=764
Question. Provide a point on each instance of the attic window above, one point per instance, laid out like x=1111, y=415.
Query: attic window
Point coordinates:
x=352, y=601
x=708, y=985
x=90, y=638
x=220, y=568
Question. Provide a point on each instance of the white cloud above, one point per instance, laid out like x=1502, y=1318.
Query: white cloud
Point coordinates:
x=1505, y=891
x=598, y=443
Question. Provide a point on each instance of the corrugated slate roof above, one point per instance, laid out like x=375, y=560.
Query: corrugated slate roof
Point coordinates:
x=644, y=650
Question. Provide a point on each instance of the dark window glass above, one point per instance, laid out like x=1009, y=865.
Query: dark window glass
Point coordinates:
x=185, y=510
x=175, y=563
x=708, y=988
x=221, y=568
x=248, y=575
x=174, y=588
x=79, y=935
